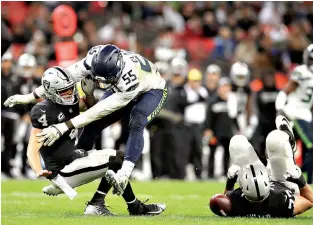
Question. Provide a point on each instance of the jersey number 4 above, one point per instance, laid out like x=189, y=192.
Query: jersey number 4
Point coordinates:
x=43, y=120
x=309, y=95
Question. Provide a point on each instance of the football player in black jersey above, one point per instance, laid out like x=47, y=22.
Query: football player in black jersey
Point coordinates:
x=257, y=196
x=262, y=198
x=78, y=166
x=240, y=99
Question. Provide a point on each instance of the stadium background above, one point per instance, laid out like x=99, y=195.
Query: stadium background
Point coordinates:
x=263, y=35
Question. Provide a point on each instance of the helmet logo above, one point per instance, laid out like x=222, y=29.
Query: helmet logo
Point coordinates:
x=46, y=84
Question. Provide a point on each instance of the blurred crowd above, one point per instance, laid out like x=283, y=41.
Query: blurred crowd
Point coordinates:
x=195, y=46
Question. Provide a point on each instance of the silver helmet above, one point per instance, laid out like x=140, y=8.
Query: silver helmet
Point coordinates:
x=179, y=66
x=26, y=65
x=59, y=86
x=240, y=74
x=254, y=181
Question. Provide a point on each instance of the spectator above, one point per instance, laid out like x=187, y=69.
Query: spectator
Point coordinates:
x=224, y=44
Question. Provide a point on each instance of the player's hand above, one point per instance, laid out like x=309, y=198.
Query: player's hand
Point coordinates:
x=15, y=100
x=88, y=85
x=43, y=173
x=233, y=171
x=52, y=134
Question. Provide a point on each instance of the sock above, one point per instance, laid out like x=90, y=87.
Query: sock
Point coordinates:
x=127, y=167
x=129, y=195
x=103, y=188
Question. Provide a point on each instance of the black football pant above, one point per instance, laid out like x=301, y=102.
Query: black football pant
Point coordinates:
x=224, y=142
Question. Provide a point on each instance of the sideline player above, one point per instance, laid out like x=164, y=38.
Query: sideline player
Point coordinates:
x=296, y=102
x=137, y=91
x=78, y=166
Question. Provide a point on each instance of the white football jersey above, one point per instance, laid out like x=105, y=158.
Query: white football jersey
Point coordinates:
x=138, y=76
x=138, y=72
x=299, y=102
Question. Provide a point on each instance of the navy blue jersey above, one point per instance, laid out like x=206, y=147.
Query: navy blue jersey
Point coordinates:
x=47, y=113
x=280, y=203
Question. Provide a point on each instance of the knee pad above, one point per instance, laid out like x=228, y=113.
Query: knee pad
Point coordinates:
x=277, y=144
x=241, y=151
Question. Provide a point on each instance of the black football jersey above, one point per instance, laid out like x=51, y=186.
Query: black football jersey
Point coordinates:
x=47, y=113
x=242, y=94
x=280, y=203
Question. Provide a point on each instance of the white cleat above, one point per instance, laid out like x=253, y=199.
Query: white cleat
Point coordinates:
x=118, y=181
x=97, y=210
x=283, y=124
x=52, y=190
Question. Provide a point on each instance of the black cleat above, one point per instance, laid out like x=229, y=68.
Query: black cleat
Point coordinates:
x=97, y=210
x=139, y=208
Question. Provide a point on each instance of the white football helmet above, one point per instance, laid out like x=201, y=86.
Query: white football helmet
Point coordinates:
x=254, y=181
x=59, y=86
x=240, y=74
x=26, y=65
x=213, y=68
x=162, y=67
x=179, y=66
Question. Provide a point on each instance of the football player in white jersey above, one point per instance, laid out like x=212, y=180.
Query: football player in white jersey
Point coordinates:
x=134, y=88
x=298, y=93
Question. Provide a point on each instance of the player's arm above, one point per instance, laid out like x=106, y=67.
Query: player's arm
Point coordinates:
x=33, y=151
x=290, y=87
x=301, y=205
x=249, y=108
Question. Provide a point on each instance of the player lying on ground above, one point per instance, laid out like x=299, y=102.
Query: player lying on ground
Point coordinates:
x=136, y=90
x=296, y=101
x=254, y=184
x=78, y=166
x=258, y=196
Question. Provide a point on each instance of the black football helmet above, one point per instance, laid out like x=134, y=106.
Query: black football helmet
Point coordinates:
x=107, y=66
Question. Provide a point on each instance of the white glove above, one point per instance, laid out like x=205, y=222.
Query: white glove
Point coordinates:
x=88, y=85
x=52, y=134
x=19, y=99
x=233, y=171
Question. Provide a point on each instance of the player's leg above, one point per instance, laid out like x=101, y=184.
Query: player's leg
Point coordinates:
x=145, y=109
x=241, y=151
x=305, y=130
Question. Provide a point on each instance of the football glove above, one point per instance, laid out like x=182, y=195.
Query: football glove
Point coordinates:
x=52, y=134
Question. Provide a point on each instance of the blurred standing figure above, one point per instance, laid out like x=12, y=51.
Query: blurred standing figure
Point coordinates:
x=265, y=103
x=174, y=140
x=218, y=126
x=240, y=99
x=194, y=116
x=8, y=115
x=27, y=81
x=213, y=74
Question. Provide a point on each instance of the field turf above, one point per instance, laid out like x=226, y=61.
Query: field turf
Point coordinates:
x=23, y=203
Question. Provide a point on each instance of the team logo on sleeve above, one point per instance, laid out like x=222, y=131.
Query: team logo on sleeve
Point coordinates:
x=61, y=116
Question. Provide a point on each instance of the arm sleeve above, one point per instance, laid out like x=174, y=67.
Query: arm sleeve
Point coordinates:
x=103, y=108
x=79, y=70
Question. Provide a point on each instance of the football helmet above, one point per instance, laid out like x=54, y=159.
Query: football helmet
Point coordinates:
x=254, y=181
x=26, y=65
x=240, y=74
x=59, y=86
x=308, y=57
x=179, y=66
x=107, y=66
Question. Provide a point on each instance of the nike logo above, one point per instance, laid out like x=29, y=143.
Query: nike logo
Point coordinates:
x=44, y=111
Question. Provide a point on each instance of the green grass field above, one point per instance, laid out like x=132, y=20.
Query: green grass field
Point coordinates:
x=187, y=203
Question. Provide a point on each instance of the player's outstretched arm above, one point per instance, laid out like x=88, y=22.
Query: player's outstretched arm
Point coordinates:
x=33, y=154
x=307, y=193
x=25, y=99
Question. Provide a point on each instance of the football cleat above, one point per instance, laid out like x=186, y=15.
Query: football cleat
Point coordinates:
x=283, y=124
x=139, y=208
x=97, y=210
x=118, y=181
x=52, y=190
